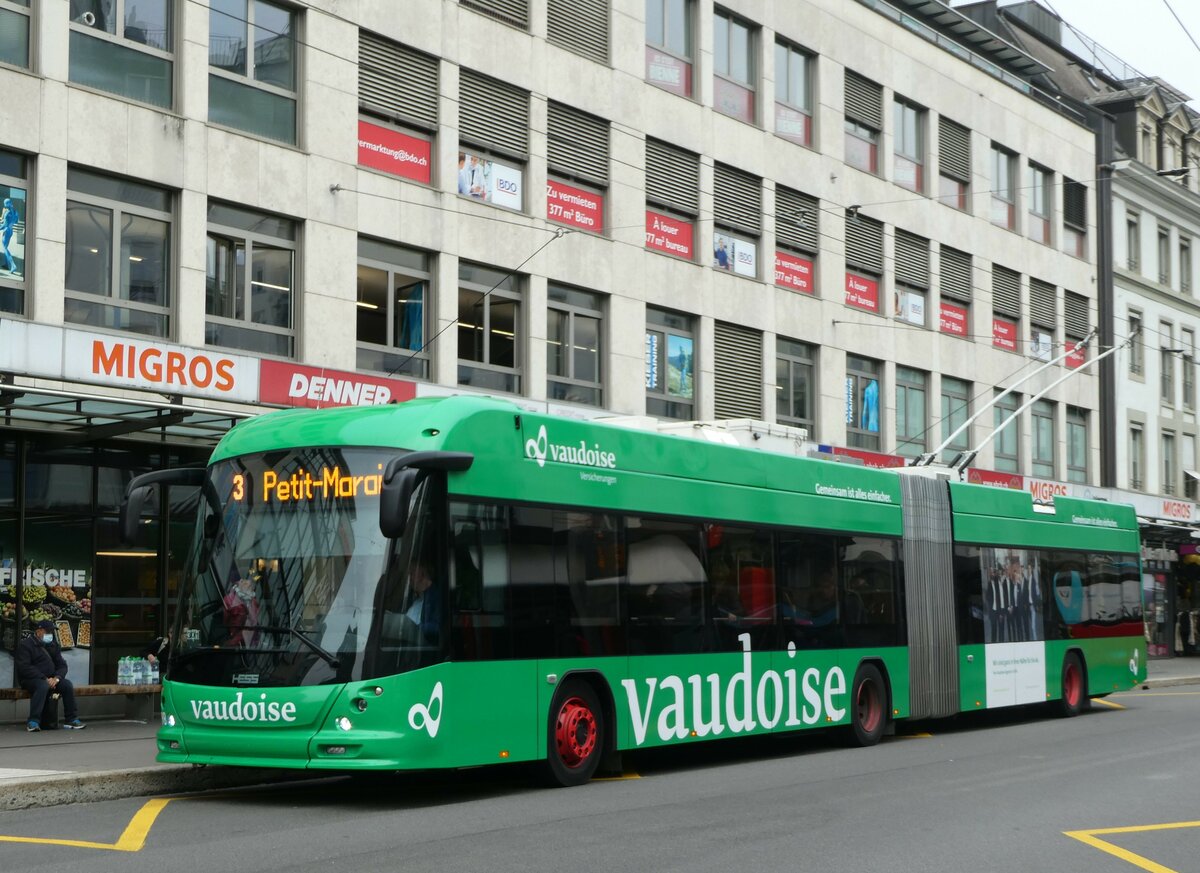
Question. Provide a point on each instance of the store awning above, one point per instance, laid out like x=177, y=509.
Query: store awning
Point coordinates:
x=79, y=417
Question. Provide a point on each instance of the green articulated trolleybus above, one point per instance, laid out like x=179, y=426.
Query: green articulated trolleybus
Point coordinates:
x=454, y=582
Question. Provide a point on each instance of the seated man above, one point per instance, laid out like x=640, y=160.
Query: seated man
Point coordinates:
x=42, y=671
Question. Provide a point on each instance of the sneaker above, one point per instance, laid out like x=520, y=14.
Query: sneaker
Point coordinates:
x=73, y=725
x=33, y=727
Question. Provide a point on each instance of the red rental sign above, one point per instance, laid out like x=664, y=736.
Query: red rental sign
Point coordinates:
x=318, y=388
x=953, y=319
x=1004, y=335
x=574, y=206
x=670, y=235
x=1077, y=358
x=793, y=272
x=381, y=148
x=862, y=292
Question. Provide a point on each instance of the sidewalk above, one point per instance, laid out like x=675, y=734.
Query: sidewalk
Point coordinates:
x=114, y=759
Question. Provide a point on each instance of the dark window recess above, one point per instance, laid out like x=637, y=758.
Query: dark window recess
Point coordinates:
x=864, y=243
x=578, y=144
x=1006, y=291
x=738, y=384
x=912, y=259
x=580, y=26
x=672, y=177
x=396, y=81
x=737, y=199
x=797, y=219
x=493, y=114
x=1074, y=204
x=514, y=13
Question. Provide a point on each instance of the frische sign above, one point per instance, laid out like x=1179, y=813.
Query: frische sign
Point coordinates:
x=316, y=388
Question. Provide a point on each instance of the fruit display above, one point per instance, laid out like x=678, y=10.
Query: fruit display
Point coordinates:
x=33, y=594
x=62, y=594
x=66, y=639
x=83, y=638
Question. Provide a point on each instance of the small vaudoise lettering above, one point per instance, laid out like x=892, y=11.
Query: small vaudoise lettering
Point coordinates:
x=239, y=709
x=743, y=706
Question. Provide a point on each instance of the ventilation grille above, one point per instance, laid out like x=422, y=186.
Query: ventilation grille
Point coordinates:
x=956, y=275
x=672, y=178
x=1074, y=204
x=864, y=243
x=577, y=144
x=864, y=101
x=1075, y=315
x=1006, y=292
x=580, y=26
x=511, y=12
x=912, y=259
x=1043, y=310
x=954, y=144
x=737, y=199
x=493, y=114
x=797, y=220
x=396, y=81
x=738, y=385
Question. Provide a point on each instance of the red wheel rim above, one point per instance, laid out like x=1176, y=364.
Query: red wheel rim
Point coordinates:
x=575, y=732
x=869, y=706
x=1072, y=684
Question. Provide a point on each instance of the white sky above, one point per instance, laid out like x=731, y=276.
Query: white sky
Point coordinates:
x=1144, y=34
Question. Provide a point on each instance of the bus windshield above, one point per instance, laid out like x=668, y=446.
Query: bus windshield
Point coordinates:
x=288, y=571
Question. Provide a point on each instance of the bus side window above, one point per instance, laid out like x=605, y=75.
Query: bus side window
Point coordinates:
x=467, y=563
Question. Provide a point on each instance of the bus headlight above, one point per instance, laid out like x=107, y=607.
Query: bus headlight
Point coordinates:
x=344, y=724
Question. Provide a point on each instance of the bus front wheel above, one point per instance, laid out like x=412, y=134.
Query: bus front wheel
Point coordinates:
x=1074, y=687
x=868, y=705
x=575, y=740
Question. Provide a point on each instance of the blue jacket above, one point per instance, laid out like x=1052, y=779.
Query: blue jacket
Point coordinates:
x=37, y=661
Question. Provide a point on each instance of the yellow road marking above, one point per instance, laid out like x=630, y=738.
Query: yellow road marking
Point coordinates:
x=1104, y=702
x=621, y=778
x=1091, y=839
x=914, y=736
x=1162, y=693
x=132, y=840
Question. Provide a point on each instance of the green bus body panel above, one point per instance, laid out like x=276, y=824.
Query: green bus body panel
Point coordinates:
x=985, y=515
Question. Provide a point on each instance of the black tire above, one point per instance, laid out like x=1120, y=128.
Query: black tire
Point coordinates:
x=868, y=706
x=1074, y=699
x=575, y=734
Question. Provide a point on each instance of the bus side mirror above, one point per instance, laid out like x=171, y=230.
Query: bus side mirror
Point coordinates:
x=394, y=499
x=131, y=512
x=141, y=487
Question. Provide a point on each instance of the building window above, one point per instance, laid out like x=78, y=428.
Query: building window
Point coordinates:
x=795, y=382
x=863, y=122
x=793, y=93
x=1136, y=349
x=392, y=309
x=909, y=137
x=1133, y=242
x=797, y=240
x=1006, y=307
x=737, y=371
x=672, y=199
x=1166, y=362
x=124, y=47
x=577, y=159
x=250, y=294
x=670, y=365
x=1188, y=465
x=574, y=337
x=1039, y=189
x=118, y=270
x=734, y=75
x=252, y=79
x=580, y=26
x=911, y=427
x=669, y=56
x=490, y=349
x=493, y=122
x=1004, y=194
x=398, y=86
x=911, y=278
x=1185, y=265
x=1164, y=255
x=1077, y=445
x=1187, y=363
x=864, y=411
x=954, y=153
x=956, y=287
x=1008, y=441
x=1167, y=451
x=737, y=213
x=864, y=261
x=1043, y=316
x=14, y=32
x=956, y=409
x=1137, y=458
x=14, y=219
x=1042, y=415
x=1074, y=218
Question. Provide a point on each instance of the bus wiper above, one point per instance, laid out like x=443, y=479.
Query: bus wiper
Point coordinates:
x=329, y=658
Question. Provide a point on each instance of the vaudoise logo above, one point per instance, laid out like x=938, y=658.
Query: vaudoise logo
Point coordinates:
x=541, y=448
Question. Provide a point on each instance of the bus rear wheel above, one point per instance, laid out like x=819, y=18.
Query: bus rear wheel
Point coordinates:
x=1074, y=698
x=575, y=740
x=868, y=705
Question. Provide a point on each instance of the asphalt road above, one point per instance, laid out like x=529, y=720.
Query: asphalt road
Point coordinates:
x=993, y=792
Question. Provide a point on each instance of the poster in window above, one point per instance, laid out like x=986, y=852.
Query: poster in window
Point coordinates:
x=952, y=319
x=794, y=272
x=1004, y=334
x=735, y=255
x=680, y=367
x=862, y=293
x=909, y=306
x=12, y=232
x=1040, y=345
x=869, y=407
x=652, y=362
x=489, y=181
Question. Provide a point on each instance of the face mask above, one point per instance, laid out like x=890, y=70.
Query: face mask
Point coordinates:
x=47, y=638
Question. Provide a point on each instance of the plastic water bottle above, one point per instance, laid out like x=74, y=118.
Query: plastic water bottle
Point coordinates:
x=141, y=674
x=154, y=673
x=123, y=671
